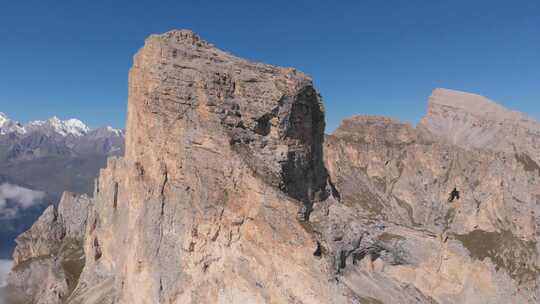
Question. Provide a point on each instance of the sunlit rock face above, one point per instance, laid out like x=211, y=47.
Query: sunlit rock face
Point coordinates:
x=473, y=121
x=50, y=156
x=229, y=192
x=223, y=163
x=49, y=257
x=478, y=247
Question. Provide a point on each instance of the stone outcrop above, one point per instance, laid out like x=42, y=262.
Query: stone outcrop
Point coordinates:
x=223, y=163
x=49, y=257
x=225, y=196
x=479, y=248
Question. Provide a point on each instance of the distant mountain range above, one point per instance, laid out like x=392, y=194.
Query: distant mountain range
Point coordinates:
x=55, y=137
x=47, y=157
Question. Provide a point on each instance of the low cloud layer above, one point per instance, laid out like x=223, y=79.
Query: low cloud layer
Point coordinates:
x=5, y=268
x=14, y=198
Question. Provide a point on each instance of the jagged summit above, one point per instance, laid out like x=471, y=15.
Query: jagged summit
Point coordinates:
x=213, y=140
x=257, y=105
x=9, y=126
x=53, y=126
x=189, y=48
x=3, y=118
x=67, y=127
x=182, y=36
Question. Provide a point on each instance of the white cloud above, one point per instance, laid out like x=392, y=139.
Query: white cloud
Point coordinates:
x=5, y=268
x=14, y=198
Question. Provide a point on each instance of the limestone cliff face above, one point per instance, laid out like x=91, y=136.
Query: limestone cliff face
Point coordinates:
x=479, y=248
x=183, y=91
x=225, y=196
x=222, y=155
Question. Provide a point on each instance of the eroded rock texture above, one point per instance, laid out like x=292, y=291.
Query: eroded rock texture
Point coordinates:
x=480, y=247
x=225, y=196
x=49, y=257
x=223, y=162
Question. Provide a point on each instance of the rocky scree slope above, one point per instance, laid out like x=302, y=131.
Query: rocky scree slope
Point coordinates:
x=225, y=196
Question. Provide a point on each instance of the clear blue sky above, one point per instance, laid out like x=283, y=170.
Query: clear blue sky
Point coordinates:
x=71, y=58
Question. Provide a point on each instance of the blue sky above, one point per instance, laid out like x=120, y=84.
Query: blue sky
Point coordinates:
x=71, y=58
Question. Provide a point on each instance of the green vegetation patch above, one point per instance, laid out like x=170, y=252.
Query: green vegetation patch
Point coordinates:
x=528, y=164
x=370, y=300
x=367, y=201
x=387, y=237
x=26, y=263
x=72, y=261
x=517, y=257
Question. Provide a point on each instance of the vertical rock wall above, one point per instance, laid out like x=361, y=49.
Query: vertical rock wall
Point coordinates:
x=222, y=155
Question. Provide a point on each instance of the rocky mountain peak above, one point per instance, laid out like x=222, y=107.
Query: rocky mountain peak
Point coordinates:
x=468, y=174
x=106, y=132
x=3, y=118
x=181, y=36
x=54, y=125
x=473, y=104
x=56, y=137
x=223, y=156
x=9, y=126
x=272, y=116
x=473, y=121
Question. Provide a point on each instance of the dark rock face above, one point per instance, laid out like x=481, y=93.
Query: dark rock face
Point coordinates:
x=273, y=116
x=284, y=145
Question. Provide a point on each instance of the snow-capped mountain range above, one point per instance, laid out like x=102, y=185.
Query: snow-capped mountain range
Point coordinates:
x=49, y=156
x=55, y=137
x=54, y=125
x=9, y=126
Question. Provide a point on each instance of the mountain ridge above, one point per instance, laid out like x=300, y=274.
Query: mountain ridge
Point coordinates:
x=473, y=121
x=476, y=104
x=72, y=126
x=229, y=192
